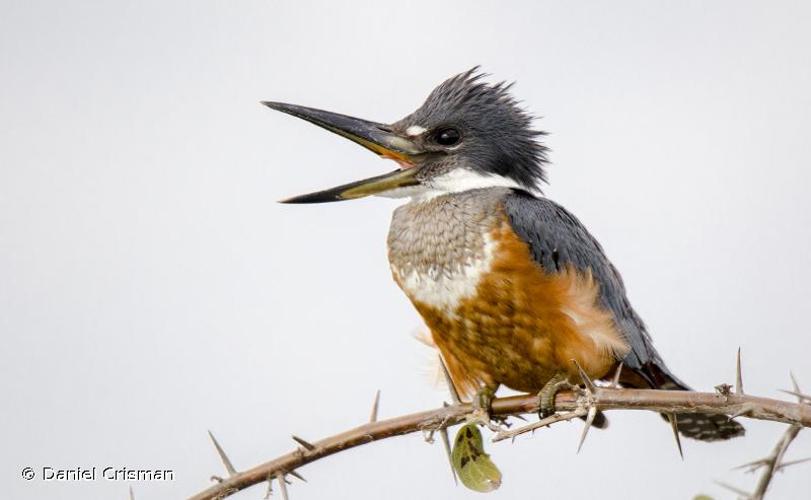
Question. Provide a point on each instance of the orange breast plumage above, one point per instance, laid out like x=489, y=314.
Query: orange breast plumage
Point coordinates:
x=497, y=317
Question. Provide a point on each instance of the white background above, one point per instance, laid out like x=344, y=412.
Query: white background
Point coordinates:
x=151, y=288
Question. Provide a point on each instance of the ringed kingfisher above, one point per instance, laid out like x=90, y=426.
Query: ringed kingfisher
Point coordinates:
x=512, y=286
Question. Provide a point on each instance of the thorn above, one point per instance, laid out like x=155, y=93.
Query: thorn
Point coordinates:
x=132, y=494
x=375, y=405
x=544, y=422
x=804, y=398
x=738, y=376
x=752, y=466
x=269, y=491
x=589, y=420
x=745, y=408
x=794, y=381
x=800, y=395
x=586, y=380
x=306, y=444
x=733, y=489
x=282, y=485
x=674, y=425
x=615, y=382
x=297, y=475
x=446, y=443
x=225, y=461
x=793, y=462
x=451, y=387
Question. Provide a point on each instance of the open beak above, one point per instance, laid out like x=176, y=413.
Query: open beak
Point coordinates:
x=373, y=136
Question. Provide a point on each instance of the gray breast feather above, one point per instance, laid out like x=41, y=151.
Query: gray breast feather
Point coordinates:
x=557, y=239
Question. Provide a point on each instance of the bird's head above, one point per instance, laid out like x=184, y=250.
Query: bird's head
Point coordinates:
x=468, y=134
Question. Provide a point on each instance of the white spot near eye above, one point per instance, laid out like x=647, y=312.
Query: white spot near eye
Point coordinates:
x=414, y=130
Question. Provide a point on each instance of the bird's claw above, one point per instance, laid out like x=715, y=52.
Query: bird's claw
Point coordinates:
x=483, y=418
x=481, y=409
x=546, y=397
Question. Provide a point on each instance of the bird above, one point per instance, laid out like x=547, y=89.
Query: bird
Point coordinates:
x=513, y=288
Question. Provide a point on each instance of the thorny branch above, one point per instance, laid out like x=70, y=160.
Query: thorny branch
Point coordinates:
x=723, y=402
x=774, y=462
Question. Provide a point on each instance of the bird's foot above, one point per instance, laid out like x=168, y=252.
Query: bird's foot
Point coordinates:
x=481, y=409
x=546, y=398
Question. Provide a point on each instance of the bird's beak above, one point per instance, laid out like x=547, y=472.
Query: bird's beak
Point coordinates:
x=375, y=137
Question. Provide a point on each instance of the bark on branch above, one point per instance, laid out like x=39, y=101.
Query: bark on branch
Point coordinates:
x=723, y=403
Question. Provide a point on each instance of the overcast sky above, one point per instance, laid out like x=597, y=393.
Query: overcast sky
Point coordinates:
x=151, y=288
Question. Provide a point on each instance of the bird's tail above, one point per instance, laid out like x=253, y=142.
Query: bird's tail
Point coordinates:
x=701, y=426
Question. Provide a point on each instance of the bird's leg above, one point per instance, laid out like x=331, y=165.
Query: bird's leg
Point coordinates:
x=484, y=398
x=546, y=398
x=481, y=407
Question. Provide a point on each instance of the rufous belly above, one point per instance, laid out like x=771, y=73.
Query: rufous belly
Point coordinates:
x=504, y=320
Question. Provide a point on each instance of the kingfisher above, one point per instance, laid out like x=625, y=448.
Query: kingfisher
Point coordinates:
x=514, y=290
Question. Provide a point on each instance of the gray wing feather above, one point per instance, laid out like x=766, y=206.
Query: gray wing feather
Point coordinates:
x=557, y=239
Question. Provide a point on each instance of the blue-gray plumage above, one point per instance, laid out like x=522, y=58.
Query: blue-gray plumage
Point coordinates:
x=557, y=239
x=511, y=285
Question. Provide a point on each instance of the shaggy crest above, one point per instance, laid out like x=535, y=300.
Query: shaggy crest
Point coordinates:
x=503, y=140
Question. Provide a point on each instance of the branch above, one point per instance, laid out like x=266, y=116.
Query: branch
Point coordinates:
x=601, y=398
x=774, y=462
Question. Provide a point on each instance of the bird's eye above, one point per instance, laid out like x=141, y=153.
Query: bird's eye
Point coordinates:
x=447, y=136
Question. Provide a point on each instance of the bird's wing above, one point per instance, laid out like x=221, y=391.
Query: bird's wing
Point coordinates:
x=557, y=240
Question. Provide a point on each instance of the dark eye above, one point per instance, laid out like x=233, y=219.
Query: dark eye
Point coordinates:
x=447, y=136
